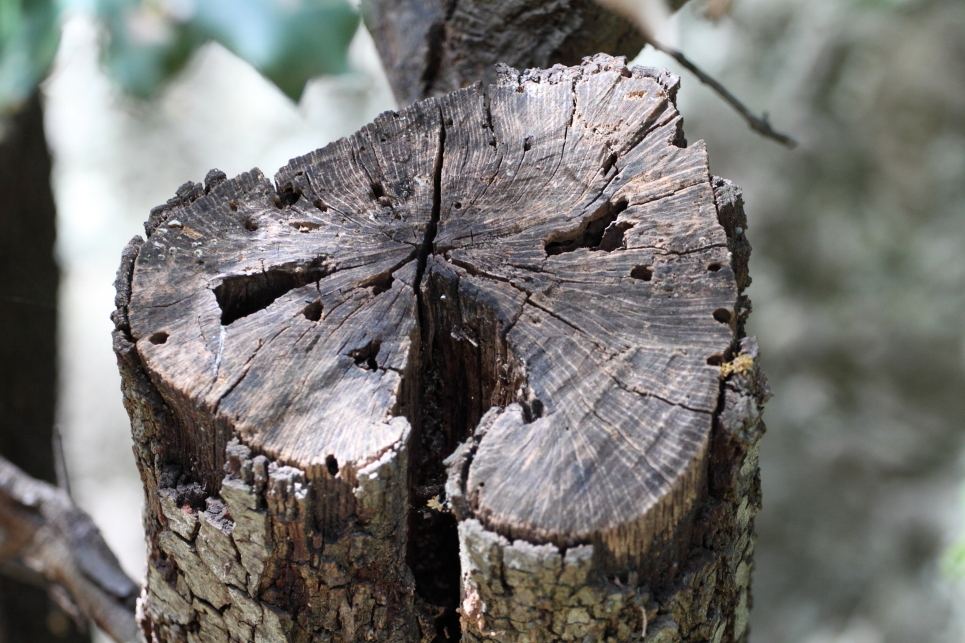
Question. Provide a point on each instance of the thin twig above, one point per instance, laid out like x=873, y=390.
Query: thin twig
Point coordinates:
x=759, y=124
x=60, y=461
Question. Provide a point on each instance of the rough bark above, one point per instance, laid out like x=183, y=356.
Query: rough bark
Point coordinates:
x=477, y=370
x=432, y=47
x=28, y=343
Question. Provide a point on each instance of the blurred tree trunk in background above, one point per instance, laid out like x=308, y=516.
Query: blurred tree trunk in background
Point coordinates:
x=28, y=347
x=431, y=47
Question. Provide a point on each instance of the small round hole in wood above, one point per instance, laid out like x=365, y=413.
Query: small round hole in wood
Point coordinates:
x=723, y=315
x=159, y=337
x=331, y=463
x=313, y=311
x=643, y=273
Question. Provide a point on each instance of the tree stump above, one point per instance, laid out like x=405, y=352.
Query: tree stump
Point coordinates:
x=476, y=371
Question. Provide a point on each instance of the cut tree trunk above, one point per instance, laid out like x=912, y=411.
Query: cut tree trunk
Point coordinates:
x=476, y=371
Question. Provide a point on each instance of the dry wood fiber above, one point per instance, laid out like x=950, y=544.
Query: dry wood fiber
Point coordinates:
x=524, y=304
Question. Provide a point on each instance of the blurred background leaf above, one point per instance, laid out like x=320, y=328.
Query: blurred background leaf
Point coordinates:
x=288, y=41
x=29, y=34
x=953, y=563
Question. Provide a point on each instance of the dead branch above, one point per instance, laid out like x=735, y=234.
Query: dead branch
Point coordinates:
x=759, y=124
x=45, y=539
x=650, y=15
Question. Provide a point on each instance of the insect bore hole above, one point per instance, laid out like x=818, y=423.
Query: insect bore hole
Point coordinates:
x=714, y=267
x=715, y=360
x=313, y=311
x=722, y=315
x=250, y=224
x=158, y=338
x=365, y=357
x=331, y=464
x=644, y=273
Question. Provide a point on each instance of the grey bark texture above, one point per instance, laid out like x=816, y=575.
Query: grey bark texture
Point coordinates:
x=476, y=372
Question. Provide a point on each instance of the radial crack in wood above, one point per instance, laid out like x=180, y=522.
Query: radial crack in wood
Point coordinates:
x=541, y=284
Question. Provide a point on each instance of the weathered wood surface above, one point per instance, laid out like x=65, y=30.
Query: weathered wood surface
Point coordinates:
x=432, y=47
x=526, y=306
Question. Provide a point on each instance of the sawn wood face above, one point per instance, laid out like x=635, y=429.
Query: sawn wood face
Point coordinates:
x=559, y=231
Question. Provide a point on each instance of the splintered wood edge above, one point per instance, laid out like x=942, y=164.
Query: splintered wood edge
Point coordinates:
x=564, y=207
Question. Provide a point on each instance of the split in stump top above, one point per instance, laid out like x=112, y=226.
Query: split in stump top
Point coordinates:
x=550, y=251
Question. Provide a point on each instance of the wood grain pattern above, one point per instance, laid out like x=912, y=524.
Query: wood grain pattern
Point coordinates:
x=543, y=279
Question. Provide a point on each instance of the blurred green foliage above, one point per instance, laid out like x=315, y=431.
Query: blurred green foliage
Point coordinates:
x=29, y=34
x=952, y=563
x=149, y=41
x=289, y=41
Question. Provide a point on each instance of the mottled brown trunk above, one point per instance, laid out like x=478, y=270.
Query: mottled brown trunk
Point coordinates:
x=28, y=345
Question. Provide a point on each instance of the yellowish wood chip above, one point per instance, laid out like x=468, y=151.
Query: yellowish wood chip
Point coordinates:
x=740, y=365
